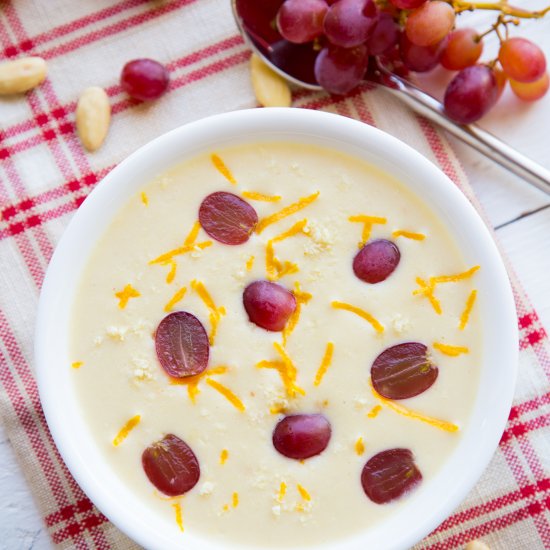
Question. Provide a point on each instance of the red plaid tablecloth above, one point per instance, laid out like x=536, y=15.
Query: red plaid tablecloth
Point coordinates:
x=45, y=175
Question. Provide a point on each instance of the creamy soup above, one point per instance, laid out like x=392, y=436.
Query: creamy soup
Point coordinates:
x=317, y=209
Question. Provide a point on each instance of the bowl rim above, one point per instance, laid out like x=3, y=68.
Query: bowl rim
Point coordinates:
x=487, y=423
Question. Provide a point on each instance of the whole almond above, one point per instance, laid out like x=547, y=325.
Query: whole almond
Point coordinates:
x=22, y=75
x=93, y=117
x=271, y=90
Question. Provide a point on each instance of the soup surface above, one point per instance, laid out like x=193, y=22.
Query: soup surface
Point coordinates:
x=154, y=259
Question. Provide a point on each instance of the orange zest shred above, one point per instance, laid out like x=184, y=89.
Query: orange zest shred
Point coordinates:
x=223, y=169
x=177, y=297
x=193, y=234
x=274, y=268
x=125, y=294
x=302, y=298
x=144, y=198
x=359, y=446
x=288, y=379
x=368, y=222
x=285, y=212
x=378, y=327
x=215, y=313
x=225, y=508
x=291, y=373
x=167, y=257
x=249, y=263
x=252, y=195
x=373, y=413
x=192, y=382
x=172, y=273
x=428, y=291
x=464, y=318
x=227, y=393
x=126, y=429
x=427, y=288
x=278, y=408
x=282, y=492
x=303, y=492
x=235, y=500
x=179, y=515
x=453, y=351
x=325, y=364
x=77, y=364
x=400, y=409
x=409, y=235
x=224, y=455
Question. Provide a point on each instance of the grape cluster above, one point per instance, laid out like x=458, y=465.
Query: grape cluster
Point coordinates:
x=348, y=40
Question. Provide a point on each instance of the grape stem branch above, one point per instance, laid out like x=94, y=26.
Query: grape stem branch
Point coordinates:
x=502, y=6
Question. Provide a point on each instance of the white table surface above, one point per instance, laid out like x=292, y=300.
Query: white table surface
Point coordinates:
x=520, y=215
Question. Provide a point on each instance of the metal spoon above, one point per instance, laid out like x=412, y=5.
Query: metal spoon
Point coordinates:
x=424, y=104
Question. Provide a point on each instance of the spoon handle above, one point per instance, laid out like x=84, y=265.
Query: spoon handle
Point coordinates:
x=481, y=140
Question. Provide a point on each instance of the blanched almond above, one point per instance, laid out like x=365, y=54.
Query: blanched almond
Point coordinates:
x=93, y=117
x=271, y=90
x=21, y=75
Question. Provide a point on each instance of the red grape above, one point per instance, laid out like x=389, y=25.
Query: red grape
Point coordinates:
x=376, y=261
x=227, y=218
x=407, y=4
x=531, y=91
x=403, y=371
x=463, y=49
x=339, y=70
x=257, y=18
x=268, y=304
x=522, y=60
x=302, y=436
x=182, y=345
x=471, y=93
x=501, y=79
x=349, y=23
x=384, y=36
x=430, y=23
x=420, y=59
x=301, y=21
x=171, y=465
x=144, y=79
x=390, y=474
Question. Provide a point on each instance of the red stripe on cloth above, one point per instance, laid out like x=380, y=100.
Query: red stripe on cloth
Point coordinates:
x=72, y=26
x=528, y=406
x=525, y=492
x=520, y=430
x=150, y=14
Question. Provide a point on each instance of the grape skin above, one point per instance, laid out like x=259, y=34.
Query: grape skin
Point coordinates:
x=384, y=36
x=349, y=23
x=463, y=49
x=302, y=436
x=471, y=93
x=531, y=91
x=301, y=21
x=522, y=60
x=421, y=59
x=430, y=23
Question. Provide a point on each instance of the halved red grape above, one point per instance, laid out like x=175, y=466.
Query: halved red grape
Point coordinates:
x=227, y=218
x=144, y=79
x=301, y=21
x=390, y=474
x=171, y=465
x=403, y=371
x=349, y=23
x=470, y=94
x=268, y=304
x=376, y=261
x=182, y=345
x=302, y=436
x=339, y=70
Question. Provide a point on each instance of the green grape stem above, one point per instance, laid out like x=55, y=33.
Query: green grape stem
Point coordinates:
x=502, y=6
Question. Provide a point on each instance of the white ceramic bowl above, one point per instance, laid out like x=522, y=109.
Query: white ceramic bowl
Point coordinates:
x=423, y=512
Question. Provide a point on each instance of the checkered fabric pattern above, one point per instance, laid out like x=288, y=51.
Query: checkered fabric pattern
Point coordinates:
x=45, y=175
